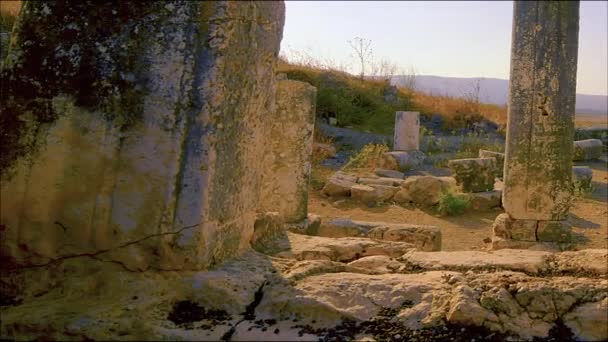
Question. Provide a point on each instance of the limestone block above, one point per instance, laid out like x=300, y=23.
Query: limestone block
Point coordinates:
x=402, y=160
x=509, y=228
x=134, y=140
x=500, y=160
x=425, y=238
x=372, y=194
x=407, y=131
x=474, y=174
x=389, y=173
x=582, y=177
x=339, y=184
x=587, y=149
x=288, y=158
x=423, y=190
x=554, y=231
x=485, y=200
x=381, y=181
x=540, y=125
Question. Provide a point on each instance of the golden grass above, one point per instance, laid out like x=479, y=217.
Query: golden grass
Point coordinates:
x=10, y=7
x=451, y=107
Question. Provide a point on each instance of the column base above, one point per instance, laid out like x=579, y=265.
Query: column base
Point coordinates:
x=531, y=234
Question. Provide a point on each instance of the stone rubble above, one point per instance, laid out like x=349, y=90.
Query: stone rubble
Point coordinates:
x=474, y=174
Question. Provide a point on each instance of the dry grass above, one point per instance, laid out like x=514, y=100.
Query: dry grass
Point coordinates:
x=8, y=14
x=453, y=109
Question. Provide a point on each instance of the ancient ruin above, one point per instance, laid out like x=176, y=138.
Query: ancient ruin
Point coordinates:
x=540, y=130
x=158, y=183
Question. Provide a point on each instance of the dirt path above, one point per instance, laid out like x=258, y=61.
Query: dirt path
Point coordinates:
x=589, y=216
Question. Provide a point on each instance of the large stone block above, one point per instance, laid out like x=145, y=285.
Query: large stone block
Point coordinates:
x=587, y=149
x=372, y=194
x=508, y=228
x=339, y=184
x=500, y=160
x=127, y=132
x=540, y=125
x=401, y=160
x=423, y=190
x=474, y=174
x=407, y=131
x=288, y=159
x=425, y=238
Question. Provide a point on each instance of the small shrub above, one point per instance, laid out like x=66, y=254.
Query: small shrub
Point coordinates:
x=453, y=204
x=370, y=157
x=582, y=189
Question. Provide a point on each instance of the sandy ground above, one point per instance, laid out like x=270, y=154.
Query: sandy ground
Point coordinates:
x=589, y=216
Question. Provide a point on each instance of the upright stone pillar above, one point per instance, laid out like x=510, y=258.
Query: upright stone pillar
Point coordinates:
x=540, y=128
x=135, y=133
x=288, y=160
x=407, y=131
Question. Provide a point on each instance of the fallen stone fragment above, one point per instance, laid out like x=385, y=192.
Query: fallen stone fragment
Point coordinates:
x=485, y=200
x=474, y=174
x=422, y=237
x=339, y=184
x=402, y=160
x=426, y=238
x=372, y=194
x=423, y=190
x=506, y=259
x=304, y=247
x=389, y=173
x=587, y=149
x=380, y=181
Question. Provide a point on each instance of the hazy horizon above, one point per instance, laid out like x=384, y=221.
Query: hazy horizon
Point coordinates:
x=464, y=39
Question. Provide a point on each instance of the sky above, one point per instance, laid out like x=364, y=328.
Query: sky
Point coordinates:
x=451, y=38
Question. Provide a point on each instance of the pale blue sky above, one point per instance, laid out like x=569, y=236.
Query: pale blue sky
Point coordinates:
x=459, y=39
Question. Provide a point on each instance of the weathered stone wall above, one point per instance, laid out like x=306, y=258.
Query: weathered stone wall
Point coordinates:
x=540, y=127
x=288, y=159
x=134, y=133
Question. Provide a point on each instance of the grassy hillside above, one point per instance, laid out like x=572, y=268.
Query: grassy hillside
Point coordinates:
x=370, y=105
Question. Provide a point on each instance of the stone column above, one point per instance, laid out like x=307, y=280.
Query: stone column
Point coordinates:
x=288, y=161
x=540, y=128
x=136, y=133
x=407, y=131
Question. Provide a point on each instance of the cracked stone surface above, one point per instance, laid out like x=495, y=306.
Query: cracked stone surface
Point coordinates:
x=522, y=294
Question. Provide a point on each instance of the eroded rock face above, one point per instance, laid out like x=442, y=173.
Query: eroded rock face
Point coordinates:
x=136, y=132
x=288, y=160
x=499, y=294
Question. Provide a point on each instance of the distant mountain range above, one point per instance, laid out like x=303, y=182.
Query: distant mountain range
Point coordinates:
x=493, y=90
